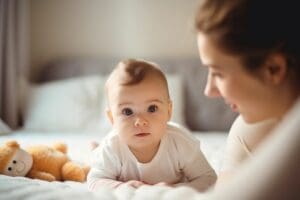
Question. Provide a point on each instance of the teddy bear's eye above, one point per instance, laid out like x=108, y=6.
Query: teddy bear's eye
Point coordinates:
x=14, y=161
x=9, y=169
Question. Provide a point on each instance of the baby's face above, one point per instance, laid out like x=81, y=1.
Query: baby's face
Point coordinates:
x=140, y=112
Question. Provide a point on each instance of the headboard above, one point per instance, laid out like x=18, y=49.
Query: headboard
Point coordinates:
x=201, y=113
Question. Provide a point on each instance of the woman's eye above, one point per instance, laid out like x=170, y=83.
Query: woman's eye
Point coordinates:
x=216, y=74
x=127, y=111
x=152, y=108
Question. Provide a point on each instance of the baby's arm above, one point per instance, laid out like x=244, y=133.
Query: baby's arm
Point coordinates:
x=199, y=173
x=95, y=182
x=134, y=183
x=105, y=168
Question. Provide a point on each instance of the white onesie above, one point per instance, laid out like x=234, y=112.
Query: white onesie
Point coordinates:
x=178, y=161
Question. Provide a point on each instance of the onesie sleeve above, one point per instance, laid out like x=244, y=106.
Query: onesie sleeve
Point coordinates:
x=105, y=167
x=197, y=171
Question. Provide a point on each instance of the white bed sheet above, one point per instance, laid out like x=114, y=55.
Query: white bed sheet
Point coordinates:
x=212, y=145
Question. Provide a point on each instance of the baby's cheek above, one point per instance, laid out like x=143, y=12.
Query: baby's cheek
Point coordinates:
x=123, y=123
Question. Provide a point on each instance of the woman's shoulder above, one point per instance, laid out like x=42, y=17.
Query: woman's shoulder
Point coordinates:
x=243, y=139
x=243, y=129
x=249, y=136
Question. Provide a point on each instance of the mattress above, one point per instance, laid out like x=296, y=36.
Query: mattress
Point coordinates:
x=211, y=143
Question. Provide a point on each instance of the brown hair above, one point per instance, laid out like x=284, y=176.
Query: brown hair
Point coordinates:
x=253, y=29
x=133, y=71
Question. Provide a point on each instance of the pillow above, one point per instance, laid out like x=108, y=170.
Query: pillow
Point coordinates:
x=4, y=129
x=66, y=105
x=78, y=104
x=176, y=91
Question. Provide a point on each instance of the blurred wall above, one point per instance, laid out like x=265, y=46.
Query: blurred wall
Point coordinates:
x=119, y=28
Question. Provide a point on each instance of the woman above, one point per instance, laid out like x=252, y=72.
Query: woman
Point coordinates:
x=252, y=51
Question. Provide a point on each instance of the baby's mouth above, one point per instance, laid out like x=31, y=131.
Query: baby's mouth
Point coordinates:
x=142, y=134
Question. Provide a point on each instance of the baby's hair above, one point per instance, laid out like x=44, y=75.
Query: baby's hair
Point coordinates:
x=137, y=70
x=133, y=71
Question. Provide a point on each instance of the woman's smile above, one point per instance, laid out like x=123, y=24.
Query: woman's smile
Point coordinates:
x=234, y=107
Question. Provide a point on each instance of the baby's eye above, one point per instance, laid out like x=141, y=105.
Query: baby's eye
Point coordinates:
x=152, y=108
x=9, y=169
x=127, y=111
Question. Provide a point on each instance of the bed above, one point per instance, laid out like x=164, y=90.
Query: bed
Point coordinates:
x=64, y=102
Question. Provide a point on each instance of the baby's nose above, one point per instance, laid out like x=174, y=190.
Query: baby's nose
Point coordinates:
x=140, y=122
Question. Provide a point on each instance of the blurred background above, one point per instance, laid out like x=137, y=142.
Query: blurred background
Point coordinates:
x=110, y=28
x=55, y=56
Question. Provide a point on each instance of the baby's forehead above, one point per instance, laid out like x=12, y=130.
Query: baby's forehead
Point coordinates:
x=148, y=88
x=121, y=78
x=150, y=83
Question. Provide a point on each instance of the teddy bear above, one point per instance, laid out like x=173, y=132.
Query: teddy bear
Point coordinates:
x=40, y=162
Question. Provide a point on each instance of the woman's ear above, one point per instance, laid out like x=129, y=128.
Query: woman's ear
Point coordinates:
x=109, y=116
x=275, y=69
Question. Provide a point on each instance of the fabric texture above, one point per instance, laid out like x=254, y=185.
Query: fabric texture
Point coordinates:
x=178, y=160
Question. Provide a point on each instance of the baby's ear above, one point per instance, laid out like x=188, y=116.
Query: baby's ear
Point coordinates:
x=170, y=109
x=109, y=115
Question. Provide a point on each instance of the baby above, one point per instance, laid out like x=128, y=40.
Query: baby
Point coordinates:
x=143, y=147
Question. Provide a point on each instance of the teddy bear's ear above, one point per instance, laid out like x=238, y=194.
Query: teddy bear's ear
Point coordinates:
x=62, y=147
x=12, y=144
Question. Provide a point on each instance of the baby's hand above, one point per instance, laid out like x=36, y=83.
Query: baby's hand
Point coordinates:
x=134, y=183
x=93, y=145
x=163, y=184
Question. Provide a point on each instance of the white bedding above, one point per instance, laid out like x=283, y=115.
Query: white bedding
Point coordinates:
x=212, y=145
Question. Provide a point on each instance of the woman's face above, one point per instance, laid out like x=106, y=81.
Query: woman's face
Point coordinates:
x=227, y=78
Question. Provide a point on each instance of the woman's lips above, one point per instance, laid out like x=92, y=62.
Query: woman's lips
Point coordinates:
x=234, y=107
x=142, y=134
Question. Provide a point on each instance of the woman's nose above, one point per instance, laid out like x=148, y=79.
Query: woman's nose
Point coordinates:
x=140, y=121
x=211, y=90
